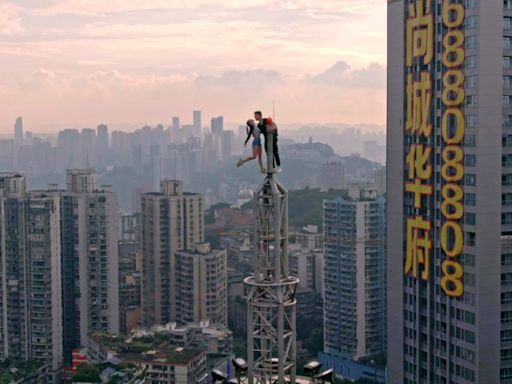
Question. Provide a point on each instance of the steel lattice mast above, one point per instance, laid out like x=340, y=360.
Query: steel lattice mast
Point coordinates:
x=271, y=336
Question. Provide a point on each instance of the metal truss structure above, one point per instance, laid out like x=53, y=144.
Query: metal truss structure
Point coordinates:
x=271, y=333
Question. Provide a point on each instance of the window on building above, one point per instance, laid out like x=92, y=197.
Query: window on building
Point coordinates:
x=507, y=61
x=470, y=121
x=507, y=42
x=471, y=81
x=471, y=101
x=471, y=42
x=470, y=179
x=471, y=61
x=470, y=198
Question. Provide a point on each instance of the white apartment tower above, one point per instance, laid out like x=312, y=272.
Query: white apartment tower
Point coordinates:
x=355, y=277
x=89, y=259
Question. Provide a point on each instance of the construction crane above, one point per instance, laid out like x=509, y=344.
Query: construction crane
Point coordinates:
x=271, y=309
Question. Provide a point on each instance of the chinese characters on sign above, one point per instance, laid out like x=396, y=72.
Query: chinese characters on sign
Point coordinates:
x=418, y=128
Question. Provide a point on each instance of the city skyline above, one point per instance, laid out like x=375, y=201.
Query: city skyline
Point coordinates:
x=69, y=63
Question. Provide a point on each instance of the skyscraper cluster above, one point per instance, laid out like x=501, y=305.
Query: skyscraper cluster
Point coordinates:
x=176, y=151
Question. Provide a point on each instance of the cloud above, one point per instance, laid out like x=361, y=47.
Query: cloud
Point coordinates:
x=251, y=78
x=103, y=8
x=10, y=20
x=37, y=80
x=342, y=75
x=145, y=59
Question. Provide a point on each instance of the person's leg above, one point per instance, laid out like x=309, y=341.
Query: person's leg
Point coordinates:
x=276, y=152
x=260, y=161
x=243, y=161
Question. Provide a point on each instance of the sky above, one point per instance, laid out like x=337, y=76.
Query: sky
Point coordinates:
x=77, y=63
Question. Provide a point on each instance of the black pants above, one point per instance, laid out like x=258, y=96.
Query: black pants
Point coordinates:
x=277, y=160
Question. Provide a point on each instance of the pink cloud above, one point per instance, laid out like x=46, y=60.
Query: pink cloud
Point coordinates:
x=149, y=59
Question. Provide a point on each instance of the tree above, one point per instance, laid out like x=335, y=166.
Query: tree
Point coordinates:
x=86, y=373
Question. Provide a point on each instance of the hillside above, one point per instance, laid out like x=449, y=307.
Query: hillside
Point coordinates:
x=305, y=206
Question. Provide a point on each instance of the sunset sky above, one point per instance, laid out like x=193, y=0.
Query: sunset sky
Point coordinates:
x=77, y=63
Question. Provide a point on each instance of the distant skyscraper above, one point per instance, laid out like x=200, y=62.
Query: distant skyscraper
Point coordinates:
x=18, y=131
x=355, y=277
x=228, y=144
x=217, y=125
x=201, y=285
x=102, y=145
x=31, y=305
x=89, y=259
x=175, y=130
x=197, y=123
x=121, y=147
x=170, y=220
x=68, y=149
x=88, y=148
x=176, y=123
x=449, y=190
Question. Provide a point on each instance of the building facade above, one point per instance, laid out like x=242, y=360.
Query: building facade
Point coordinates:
x=89, y=240
x=308, y=266
x=449, y=191
x=170, y=220
x=355, y=277
x=201, y=286
x=30, y=261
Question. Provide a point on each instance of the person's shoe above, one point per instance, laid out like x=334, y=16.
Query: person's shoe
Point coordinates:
x=239, y=164
x=278, y=170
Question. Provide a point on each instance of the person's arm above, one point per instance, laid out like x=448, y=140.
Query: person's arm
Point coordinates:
x=249, y=133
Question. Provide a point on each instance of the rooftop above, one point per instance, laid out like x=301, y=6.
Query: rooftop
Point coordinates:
x=178, y=356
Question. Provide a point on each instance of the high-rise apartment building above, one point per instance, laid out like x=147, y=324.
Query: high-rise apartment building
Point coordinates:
x=449, y=190
x=332, y=175
x=201, y=285
x=171, y=220
x=30, y=283
x=45, y=331
x=308, y=265
x=355, y=277
x=89, y=259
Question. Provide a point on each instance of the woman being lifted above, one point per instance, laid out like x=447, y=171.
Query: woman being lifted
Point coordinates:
x=253, y=130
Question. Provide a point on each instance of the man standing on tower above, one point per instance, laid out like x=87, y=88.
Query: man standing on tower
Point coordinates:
x=266, y=126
